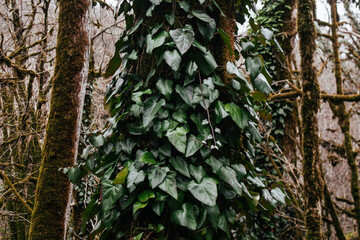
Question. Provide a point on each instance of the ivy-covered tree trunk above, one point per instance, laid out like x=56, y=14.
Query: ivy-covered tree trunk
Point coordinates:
x=60, y=148
x=310, y=103
x=339, y=110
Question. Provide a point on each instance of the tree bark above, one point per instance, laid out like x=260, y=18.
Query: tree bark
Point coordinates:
x=339, y=110
x=310, y=103
x=60, y=148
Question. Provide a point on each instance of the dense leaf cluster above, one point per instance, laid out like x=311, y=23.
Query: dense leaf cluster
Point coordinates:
x=176, y=160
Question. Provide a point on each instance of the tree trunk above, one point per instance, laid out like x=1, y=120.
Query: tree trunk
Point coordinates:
x=60, y=148
x=339, y=110
x=310, y=103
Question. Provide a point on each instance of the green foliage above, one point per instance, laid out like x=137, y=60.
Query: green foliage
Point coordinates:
x=178, y=150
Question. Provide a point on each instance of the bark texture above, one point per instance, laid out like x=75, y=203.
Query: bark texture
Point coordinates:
x=310, y=103
x=339, y=110
x=60, y=148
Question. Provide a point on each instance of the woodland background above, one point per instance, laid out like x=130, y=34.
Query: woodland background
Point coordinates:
x=27, y=59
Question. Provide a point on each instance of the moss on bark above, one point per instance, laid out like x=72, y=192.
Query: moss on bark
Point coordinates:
x=310, y=103
x=60, y=147
x=339, y=110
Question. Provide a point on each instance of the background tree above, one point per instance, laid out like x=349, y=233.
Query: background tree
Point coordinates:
x=53, y=190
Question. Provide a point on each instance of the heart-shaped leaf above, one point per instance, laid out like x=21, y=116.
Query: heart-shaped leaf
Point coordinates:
x=205, y=192
x=173, y=59
x=110, y=194
x=180, y=165
x=253, y=66
x=183, y=38
x=185, y=217
x=238, y=115
x=177, y=138
x=169, y=185
x=165, y=87
x=152, y=43
x=198, y=172
x=148, y=157
x=151, y=107
x=262, y=84
x=157, y=176
x=192, y=146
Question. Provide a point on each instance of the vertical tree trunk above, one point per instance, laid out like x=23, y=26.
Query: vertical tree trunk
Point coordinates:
x=339, y=110
x=310, y=103
x=60, y=148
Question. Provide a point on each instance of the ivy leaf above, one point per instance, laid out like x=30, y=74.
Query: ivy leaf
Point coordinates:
x=205, y=192
x=156, y=2
x=151, y=107
x=134, y=178
x=198, y=172
x=232, y=69
x=254, y=132
x=156, y=176
x=138, y=205
x=183, y=38
x=148, y=157
x=204, y=59
x=238, y=115
x=180, y=165
x=213, y=214
x=165, y=87
x=184, y=5
x=262, y=84
x=152, y=43
x=268, y=34
x=136, y=96
x=180, y=116
x=253, y=66
x=173, y=59
x=177, y=138
x=186, y=93
x=146, y=195
x=227, y=40
x=206, y=25
x=121, y=176
x=240, y=170
x=228, y=175
x=193, y=145
x=169, y=185
x=247, y=46
x=110, y=194
x=97, y=140
x=74, y=174
x=220, y=112
x=278, y=195
x=185, y=217
x=127, y=145
x=170, y=18
x=113, y=65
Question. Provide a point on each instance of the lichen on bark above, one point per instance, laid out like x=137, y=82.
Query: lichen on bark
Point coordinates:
x=60, y=148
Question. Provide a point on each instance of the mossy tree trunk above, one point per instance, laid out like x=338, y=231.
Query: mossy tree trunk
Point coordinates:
x=60, y=148
x=310, y=103
x=339, y=110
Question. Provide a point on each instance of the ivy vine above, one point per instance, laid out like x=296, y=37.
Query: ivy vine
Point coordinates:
x=176, y=159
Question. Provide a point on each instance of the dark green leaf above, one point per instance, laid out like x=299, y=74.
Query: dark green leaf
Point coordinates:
x=278, y=195
x=268, y=34
x=228, y=175
x=185, y=217
x=169, y=185
x=220, y=112
x=110, y=194
x=151, y=107
x=135, y=177
x=262, y=84
x=180, y=116
x=253, y=66
x=165, y=87
x=183, y=38
x=97, y=140
x=198, y=172
x=113, y=65
x=138, y=205
x=157, y=176
x=225, y=37
x=193, y=145
x=180, y=165
x=184, y=5
x=205, y=191
x=148, y=157
x=173, y=59
x=146, y=195
x=74, y=174
x=238, y=115
x=177, y=138
x=152, y=43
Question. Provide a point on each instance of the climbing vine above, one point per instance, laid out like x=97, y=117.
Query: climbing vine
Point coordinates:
x=176, y=159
